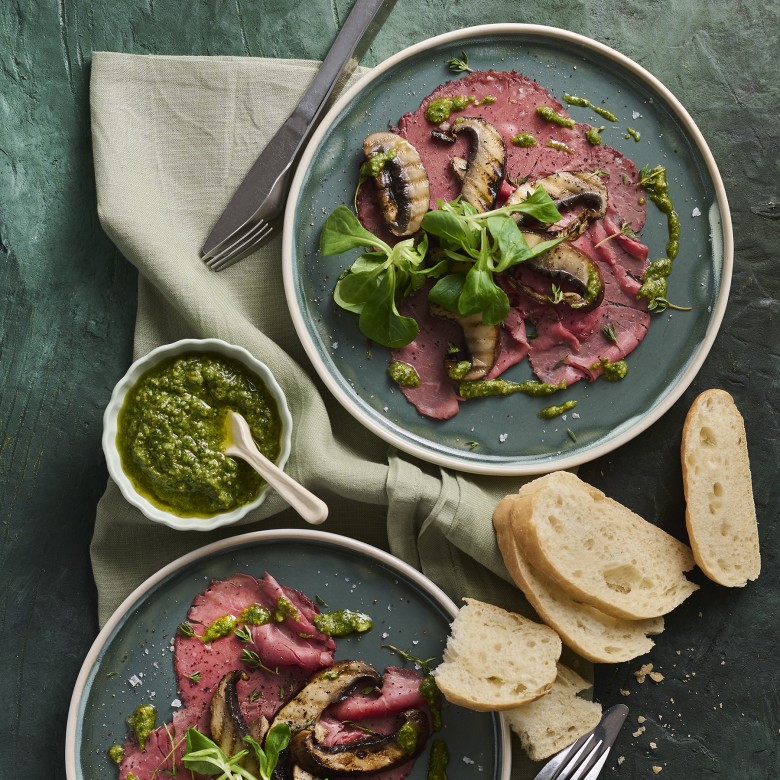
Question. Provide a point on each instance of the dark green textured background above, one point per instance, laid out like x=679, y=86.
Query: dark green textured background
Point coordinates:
x=67, y=309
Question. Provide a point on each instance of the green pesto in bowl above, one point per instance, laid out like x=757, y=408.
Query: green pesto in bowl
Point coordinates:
x=171, y=434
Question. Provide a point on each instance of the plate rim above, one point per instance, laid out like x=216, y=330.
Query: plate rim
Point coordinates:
x=540, y=465
x=246, y=540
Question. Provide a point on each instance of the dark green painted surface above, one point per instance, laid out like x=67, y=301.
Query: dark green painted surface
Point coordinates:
x=67, y=306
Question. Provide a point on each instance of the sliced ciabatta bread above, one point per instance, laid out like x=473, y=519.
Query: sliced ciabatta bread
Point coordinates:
x=720, y=512
x=552, y=722
x=496, y=660
x=591, y=633
x=600, y=552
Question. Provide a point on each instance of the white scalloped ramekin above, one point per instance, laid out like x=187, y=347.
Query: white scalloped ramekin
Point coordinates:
x=111, y=415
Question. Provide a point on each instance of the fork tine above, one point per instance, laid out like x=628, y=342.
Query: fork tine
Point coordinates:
x=250, y=245
x=583, y=761
x=229, y=246
x=240, y=249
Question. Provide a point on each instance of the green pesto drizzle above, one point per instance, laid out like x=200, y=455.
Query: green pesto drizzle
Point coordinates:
x=550, y=115
x=284, y=608
x=657, y=188
x=343, y=622
x=611, y=372
x=142, y=722
x=430, y=692
x=525, y=140
x=437, y=763
x=441, y=109
x=632, y=133
x=555, y=411
x=575, y=100
x=403, y=374
x=559, y=146
x=593, y=135
x=255, y=615
x=221, y=627
x=407, y=739
x=459, y=369
x=116, y=753
x=483, y=388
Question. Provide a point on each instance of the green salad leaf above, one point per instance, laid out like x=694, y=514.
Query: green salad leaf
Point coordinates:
x=469, y=247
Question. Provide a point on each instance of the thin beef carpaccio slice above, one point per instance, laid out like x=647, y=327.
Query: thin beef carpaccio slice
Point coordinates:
x=199, y=665
x=569, y=344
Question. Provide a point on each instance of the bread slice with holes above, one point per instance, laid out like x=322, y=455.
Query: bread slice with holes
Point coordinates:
x=496, y=660
x=555, y=720
x=720, y=511
x=600, y=552
x=593, y=634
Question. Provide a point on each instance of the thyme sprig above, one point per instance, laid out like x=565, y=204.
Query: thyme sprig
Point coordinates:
x=459, y=65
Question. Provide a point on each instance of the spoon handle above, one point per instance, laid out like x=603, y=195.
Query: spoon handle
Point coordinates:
x=312, y=509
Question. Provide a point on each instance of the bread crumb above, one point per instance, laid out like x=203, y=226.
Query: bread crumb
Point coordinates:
x=641, y=719
x=642, y=672
x=656, y=676
x=638, y=733
x=624, y=692
x=657, y=770
x=653, y=746
x=621, y=759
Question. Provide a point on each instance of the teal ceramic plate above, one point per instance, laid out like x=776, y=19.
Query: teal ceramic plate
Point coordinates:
x=505, y=436
x=135, y=645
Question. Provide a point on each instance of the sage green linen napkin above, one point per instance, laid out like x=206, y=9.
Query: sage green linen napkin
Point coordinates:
x=173, y=137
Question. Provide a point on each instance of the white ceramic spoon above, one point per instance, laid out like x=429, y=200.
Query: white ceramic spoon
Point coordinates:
x=240, y=444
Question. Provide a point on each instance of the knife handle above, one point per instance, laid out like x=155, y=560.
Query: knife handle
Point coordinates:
x=342, y=57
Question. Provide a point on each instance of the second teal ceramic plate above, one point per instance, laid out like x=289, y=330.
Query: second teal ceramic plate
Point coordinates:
x=505, y=436
x=131, y=661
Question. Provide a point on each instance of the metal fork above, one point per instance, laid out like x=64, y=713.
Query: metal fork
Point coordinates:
x=585, y=758
x=253, y=215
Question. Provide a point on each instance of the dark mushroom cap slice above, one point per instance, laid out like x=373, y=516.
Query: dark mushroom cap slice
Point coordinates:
x=326, y=687
x=402, y=183
x=374, y=753
x=569, y=189
x=486, y=163
x=565, y=262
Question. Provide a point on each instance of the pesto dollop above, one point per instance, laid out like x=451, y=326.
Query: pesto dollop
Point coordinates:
x=343, y=622
x=116, y=753
x=576, y=100
x=549, y=412
x=482, y=388
x=559, y=146
x=376, y=163
x=438, y=761
x=593, y=136
x=222, y=626
x=550, y=115
x=458, y=369
x=142, y=722
x=654, y=280
x=614, y=372
x=403, y=374
x=284, y=608
x=255, y=615
x=524, y=140
x=441, y=109
x=632, y=133
x=172, y=430
x=407, y=739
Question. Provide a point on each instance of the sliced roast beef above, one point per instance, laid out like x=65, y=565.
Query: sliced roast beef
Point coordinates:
x=435, y=396
x=400, y=691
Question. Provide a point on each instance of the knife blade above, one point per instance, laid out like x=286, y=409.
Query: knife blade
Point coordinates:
x=266, y=180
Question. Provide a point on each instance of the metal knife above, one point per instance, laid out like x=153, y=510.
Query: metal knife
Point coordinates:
x=605, y=732
x=267, y=180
